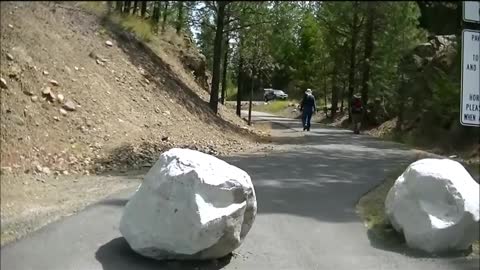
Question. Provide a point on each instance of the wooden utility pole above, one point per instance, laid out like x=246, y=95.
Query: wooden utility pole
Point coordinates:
x=325, y=89
x=254, y=63
x=251, y=98
x=239, y=85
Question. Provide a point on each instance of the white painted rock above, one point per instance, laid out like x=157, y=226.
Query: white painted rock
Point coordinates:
x=190, y=206
x=435, y=203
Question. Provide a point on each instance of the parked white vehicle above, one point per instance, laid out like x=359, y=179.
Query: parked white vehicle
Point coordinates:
x=272, y=94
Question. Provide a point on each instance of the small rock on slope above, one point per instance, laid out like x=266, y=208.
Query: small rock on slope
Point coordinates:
x=3, y=83
x=70, y=105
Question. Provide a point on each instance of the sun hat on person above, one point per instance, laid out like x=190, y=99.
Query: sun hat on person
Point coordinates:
x=309, y=91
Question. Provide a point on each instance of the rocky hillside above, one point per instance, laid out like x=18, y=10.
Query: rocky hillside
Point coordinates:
x=428, y=101
x=80, y=96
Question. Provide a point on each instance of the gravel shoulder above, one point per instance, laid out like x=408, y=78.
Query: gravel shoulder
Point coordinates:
x=34, y=201
x=30, y=202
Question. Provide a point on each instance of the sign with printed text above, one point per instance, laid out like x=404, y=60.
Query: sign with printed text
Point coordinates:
x=470, y=94
x=471, y=11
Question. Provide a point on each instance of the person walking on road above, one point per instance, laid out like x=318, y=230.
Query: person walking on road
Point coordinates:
x=357, y=112
x=308, y=108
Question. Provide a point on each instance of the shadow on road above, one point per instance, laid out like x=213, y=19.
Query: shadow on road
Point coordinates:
x=386, y=238
x=314, y=182
x=117, y=255
x=333, y=136
x=114, y=202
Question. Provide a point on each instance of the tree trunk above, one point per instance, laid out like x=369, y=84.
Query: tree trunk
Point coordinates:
x=135, y=7
x=155, y=18
x=179, y=17
x=109, y=6
x=239, y=85
x=165, y=8
x=157, y=8
x=143, y=9
x=368, y=54
x=126, y=7
x=353, y=52
x=119, y=6
x=217, y=56
x=153, y=11
x=224, y=69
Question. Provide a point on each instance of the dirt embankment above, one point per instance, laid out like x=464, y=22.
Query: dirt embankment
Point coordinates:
x=78, y=99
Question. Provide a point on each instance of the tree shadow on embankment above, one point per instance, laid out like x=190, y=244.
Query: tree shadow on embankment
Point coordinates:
x=140, y=54
x=162, y=75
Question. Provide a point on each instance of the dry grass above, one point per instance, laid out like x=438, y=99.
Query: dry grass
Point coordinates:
x=274, y=106
x=263, y=127
x=371, y=206
x=371, y=210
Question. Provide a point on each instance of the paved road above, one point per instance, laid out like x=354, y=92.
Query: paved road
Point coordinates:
x=306, y=190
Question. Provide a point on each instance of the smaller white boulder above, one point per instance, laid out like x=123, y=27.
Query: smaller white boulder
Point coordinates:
x=190, y=206
x=435, y=203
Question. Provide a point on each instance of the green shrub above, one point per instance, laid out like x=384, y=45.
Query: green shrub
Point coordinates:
x=95, y=7
x=231, y=93
x=142, y=28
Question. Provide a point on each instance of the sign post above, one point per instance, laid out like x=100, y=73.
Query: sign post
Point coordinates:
x=470, y=111
x=470, y=93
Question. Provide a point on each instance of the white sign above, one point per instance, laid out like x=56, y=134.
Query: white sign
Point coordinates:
x=471, y=11
x=470, y=96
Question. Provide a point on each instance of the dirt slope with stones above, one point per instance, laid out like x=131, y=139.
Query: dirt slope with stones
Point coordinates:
x=77, y=98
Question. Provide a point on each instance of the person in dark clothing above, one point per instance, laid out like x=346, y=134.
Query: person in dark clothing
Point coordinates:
x=308, y=108
x=357, y=113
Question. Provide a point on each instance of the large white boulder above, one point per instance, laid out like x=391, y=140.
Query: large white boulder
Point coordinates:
x=190, y=206
x=435, y=203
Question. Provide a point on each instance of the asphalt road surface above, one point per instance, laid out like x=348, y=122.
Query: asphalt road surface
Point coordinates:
x=306, y=192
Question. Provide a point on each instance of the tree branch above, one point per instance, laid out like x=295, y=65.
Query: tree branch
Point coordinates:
x=332, y=28
x=245, y=26
x=211, y=5
x=360, y=23
x=233, y=19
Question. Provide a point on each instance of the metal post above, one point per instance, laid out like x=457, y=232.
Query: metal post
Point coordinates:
x=251, y=100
